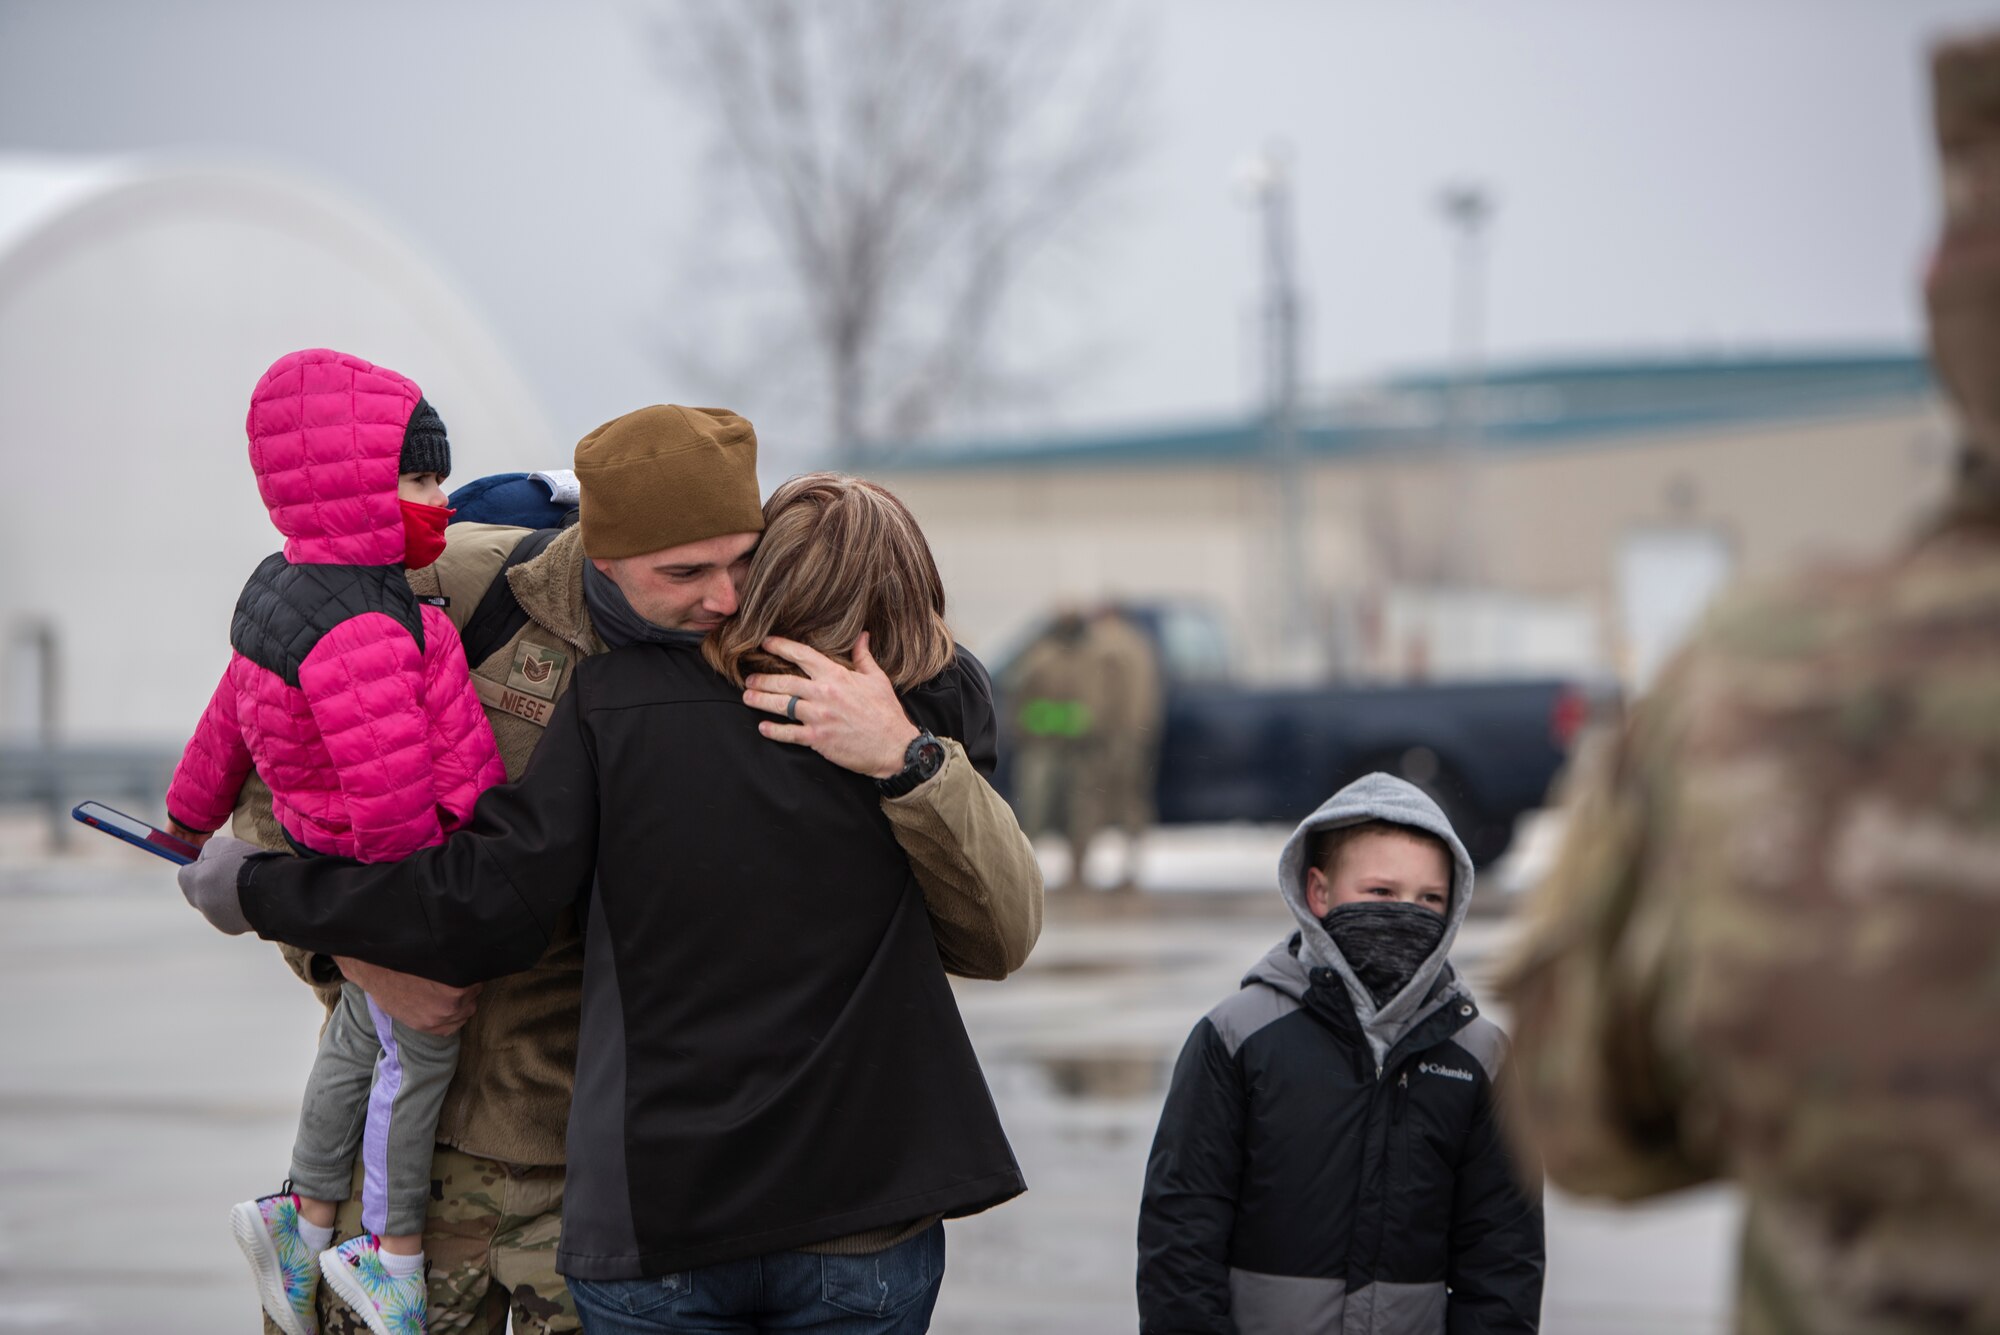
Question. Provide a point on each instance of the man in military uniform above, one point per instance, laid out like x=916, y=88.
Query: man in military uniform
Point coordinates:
x=1770, y=948
x=497, y=1173
x=1048, y=725
x=1085, y=701
x=1114, y=786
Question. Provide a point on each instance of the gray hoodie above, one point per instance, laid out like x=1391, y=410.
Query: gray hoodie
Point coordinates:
x=1371, y=797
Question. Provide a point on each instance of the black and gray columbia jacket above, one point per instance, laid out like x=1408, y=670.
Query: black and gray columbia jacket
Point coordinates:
x=1323, y=1165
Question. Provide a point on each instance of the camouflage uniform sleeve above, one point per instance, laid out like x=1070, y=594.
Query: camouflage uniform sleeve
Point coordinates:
x=1600, y=1084
x=977, y=870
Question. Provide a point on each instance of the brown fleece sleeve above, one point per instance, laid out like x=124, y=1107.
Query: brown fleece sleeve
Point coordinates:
x=975, y=866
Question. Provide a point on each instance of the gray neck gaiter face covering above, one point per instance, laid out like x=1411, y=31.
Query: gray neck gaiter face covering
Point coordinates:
x=612, y=614
x=1384, y=943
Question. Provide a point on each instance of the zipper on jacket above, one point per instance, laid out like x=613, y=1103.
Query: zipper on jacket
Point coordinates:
x=1385, y=1167
x=1402, y=1096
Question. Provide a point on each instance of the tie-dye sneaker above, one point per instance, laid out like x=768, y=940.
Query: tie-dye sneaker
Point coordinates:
x=267, y=1229
x=389, y=1305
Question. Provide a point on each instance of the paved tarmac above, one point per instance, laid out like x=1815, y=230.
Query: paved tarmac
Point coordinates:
x=150, y=1072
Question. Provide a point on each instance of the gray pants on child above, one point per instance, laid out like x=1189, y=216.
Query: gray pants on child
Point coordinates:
x=376, y=1088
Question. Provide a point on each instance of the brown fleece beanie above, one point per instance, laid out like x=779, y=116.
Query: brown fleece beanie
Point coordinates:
x=664, y=476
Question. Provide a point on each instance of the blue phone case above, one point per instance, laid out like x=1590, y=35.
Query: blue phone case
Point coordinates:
x=149, y=837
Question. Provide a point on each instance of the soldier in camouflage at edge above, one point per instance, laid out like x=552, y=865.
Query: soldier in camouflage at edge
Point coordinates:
x=1770, y=948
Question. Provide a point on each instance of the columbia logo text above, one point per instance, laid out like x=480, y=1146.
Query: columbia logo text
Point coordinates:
x=1449, y=1072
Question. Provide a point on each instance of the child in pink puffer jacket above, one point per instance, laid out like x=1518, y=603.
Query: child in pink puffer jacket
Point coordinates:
x=351, y=698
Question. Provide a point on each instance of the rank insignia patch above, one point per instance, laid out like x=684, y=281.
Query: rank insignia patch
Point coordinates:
x=536, y=670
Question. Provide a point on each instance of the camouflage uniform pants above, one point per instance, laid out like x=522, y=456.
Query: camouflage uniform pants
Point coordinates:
x=1110, y=787
x=1042, y=767
x=490, y=1249
x=1113, y=789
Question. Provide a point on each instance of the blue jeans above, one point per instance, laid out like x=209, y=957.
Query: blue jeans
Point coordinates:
x=889, y=1293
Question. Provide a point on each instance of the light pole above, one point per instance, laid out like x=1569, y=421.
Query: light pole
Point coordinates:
x=1268, y=184
x=1467, y=208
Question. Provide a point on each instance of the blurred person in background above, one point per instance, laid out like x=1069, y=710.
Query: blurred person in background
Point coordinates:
x=1770, y=948
x=1087, y=707
x=1120, y=765
x=669, y=519
x=1051, y=724
x=777, y=1100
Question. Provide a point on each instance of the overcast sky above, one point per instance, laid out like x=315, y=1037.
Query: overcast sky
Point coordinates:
x=1672, y=175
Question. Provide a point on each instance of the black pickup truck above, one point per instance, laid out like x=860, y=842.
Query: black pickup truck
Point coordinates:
x=1487, y=751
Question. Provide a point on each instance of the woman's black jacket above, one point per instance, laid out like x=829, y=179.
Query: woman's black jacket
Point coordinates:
x=770, y=1054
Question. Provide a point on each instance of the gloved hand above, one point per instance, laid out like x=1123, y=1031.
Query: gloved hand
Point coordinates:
x=209, y=882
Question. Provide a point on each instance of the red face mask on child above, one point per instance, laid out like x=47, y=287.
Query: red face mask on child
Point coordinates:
x=423, y=533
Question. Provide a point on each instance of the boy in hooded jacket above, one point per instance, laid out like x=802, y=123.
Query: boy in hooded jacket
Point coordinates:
x=1330, y=1156
x=351, y=698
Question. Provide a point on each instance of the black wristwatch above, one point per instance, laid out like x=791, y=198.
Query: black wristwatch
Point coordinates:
x=923, y=758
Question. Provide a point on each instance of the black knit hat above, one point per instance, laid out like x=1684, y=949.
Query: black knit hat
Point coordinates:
x=425, y=449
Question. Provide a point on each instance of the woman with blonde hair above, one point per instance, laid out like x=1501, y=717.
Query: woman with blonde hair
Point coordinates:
x=776, y=1101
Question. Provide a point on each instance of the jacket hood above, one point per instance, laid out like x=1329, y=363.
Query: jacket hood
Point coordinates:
x=326, y=436
x=1372, y=797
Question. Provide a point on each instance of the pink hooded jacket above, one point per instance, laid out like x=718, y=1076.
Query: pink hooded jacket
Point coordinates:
x=349, y=697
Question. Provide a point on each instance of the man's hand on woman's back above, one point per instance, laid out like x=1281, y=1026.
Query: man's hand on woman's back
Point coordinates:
x=851, y=717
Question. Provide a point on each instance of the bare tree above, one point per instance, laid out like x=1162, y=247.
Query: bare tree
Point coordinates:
x=912, y=161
